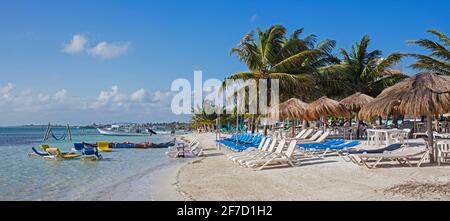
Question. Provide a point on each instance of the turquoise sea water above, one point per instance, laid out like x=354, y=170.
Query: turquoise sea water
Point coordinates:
x=34, y=178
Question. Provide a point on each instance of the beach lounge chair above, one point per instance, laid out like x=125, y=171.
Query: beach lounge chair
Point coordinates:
x=261, y=144
x=345, y=153
x=262, y=156
x=251, y=151
x=44, y=147
x=305, y=135
x=277, y=158
x=78, y=147
x=55, y=153
x=196, y=150
x=402, y=156
x=38, y=153
x=323, y=144
x=321, y=151
x=443, y=147
x=103, y=146
x=90, y=154
x=87, y=153
x=185, y=150
x=257, y=154
x=319, y=137
x=299, y=135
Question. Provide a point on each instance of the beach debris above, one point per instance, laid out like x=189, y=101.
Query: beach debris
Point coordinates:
x=420, y=190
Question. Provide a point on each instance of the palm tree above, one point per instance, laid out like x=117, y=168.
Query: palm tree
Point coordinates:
x=360, y=70
x=202, y=117
x=439, y=59
x=292, y=60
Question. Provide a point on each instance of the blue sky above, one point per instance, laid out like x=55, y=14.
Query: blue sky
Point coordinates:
x=139, y=47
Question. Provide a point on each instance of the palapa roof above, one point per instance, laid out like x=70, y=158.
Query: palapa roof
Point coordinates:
x=325, y=106
x=425, y=94
x=356, y=101
x=291, y=109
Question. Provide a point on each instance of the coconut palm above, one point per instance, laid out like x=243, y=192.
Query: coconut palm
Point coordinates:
x=439, y=59
x=292, y=60
x=360, y=70
x=204, y=117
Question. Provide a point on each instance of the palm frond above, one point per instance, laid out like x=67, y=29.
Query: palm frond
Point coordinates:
x=442, y=37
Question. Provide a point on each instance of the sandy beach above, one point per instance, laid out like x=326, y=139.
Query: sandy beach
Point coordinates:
x=214, y=177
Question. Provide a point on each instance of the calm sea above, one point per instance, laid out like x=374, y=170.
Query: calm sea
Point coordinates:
x=33, y=178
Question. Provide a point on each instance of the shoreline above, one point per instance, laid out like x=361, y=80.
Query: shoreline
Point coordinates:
x=214, y=177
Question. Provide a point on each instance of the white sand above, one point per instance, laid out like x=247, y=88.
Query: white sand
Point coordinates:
x=216, y=178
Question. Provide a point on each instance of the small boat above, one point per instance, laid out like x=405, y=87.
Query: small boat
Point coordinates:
x=125, y=145
x=148, y=145
x=117, y=130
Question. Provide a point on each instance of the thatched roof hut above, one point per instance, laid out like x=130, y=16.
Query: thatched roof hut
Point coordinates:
x=291, y=109
x=356, y=101
x=425, y=94
x=324, y=107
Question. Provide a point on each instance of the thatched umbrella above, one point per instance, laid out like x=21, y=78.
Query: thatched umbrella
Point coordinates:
x=291, y=109
x=324, y=107
x=354, y=103
x=425, y=94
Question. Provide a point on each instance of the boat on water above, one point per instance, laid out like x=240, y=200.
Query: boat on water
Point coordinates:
x=117, y=130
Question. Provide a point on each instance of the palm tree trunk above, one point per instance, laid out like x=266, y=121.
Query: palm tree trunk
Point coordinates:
x=269, y=98
x=304, y=124
x=293, y=128
x=253, y=124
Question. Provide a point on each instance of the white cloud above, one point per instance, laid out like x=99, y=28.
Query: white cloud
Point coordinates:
x=105, y=50
x=5, y=92
x=60, y=96
x=161, y=96
x=139, y=95
x=43, y=97
x=105, y=96
x=76, y=45
x=27, y=106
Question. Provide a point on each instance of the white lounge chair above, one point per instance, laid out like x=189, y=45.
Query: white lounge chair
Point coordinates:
x=262, y=147
x=305, y=135
x=257, y=154
x=317, y=138
x=277, y=158
x=443, y=147
x=299, y=135
x=193, y=149
x=278, y=150
x=402, y=156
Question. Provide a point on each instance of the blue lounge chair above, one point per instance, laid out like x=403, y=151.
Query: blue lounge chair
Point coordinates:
x=78, y=146
x=391, y=147
x=90, y=153
x=321, y=150
x=323, y=144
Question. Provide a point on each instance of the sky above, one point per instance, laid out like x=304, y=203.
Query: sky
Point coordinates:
x=83, y=62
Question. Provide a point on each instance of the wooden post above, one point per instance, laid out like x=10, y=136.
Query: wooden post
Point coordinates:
x=293, y=128
x=433, y=154
x=47, y=132
x=70, y=133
